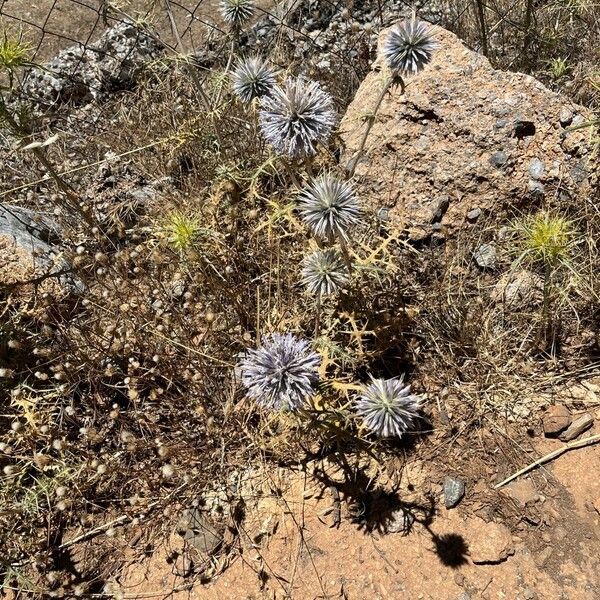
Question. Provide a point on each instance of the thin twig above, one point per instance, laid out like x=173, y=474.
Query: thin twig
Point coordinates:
x=594, y=439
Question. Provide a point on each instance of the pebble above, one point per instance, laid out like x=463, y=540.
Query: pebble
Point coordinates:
x=454, y=491
x=485, y=256
x=474, y=214
x=556, y=419
x=577, y=427
x=565, y=117
x=536, y=168
x=536, y=188
x=498, y=159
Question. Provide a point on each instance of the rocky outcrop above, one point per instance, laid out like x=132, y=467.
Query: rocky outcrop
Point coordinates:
x=28, y=253
x=463, y=141
x=82, y=73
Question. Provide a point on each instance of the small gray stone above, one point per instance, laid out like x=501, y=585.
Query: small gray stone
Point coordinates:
x=485, y=256
x=536, y=188
x=400, y=521
x=577, y=427
x=566, y=116
x=199, y=532
x=498, y=159
x=536, y=168
x=474, y=214
x=454, y=490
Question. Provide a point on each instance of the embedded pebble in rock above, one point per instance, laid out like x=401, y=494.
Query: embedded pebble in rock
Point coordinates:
x=498, y=159
x=577, y=427
x=556, y=419
x=454, y=491
x=483, y=129
x=474, y=214
x=485, y=256
x=566, y=117
x=536, y=168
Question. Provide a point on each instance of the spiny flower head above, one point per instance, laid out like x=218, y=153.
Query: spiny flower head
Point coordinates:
x=296, y=117
x=409, y=47
x=282, y=373
x=252, y=79
x=387, y=407
x=329, y=206
x=237, y=12
x=324, y=272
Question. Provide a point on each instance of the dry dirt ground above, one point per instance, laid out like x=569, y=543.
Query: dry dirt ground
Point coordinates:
x=548, y=547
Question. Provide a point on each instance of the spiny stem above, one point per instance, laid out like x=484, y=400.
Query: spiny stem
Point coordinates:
x=394, y=77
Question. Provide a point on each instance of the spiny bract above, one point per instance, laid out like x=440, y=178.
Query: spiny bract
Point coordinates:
x=387, y=407
x=324, y=272
x=252, y=79
x=282, y=373
x=329, y=206
x=408, y=47
x=237, y=12
x=296, y=117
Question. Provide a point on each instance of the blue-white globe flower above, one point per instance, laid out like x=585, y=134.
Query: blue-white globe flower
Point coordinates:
x=324, y=272
x=409, y=47
x=387, y=407
x=252, y=78
x=296, y=117
x=329, y=206
x=282, y=373
x=236, y=12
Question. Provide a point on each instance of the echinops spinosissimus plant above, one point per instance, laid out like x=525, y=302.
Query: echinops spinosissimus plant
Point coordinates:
x=324, y=272
x=387, y=407
x=252, y=78
x=329, y=206
x=297, y=116
x=409, y=47
x=282, y=373
x=236, y=12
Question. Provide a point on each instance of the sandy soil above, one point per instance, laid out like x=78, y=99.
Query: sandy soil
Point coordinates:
x=549, y=550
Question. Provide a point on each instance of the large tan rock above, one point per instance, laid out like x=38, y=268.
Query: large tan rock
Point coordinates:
x=463, y=137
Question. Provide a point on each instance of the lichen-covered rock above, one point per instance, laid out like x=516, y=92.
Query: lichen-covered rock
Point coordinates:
x=80, y=74
x=464, y=135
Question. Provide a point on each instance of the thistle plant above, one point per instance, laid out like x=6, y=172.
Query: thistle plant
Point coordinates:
x=329, y=206
x=252, y=79
x=387, y=407
x=548, y=239
x=282, y=373
x=296, y=117
x=407, y=50
x=236, y=13
x=181, y=231
x=324, y=272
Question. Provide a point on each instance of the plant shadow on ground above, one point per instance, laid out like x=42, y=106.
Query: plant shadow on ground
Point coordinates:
x=375, y=509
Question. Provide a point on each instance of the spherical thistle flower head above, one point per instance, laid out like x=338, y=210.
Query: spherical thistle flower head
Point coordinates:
x=237, y=12
x=282, y=373
x=324, y=272
x=409, y=47
x=387, y=407
x=329, y=207
x=252, y=79
x=296, y=117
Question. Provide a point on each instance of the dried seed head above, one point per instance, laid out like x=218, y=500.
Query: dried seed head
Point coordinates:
x=324, y=272
x=409, y=47
x=387, y=407
x=296, y=117
x=252, y=79
x=237, y=12
x=282, y=373
x=329, y=207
